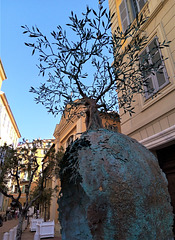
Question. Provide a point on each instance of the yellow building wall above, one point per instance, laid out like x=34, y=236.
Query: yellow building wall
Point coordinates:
x=24, y=180
x=9, y=132
x=155, y=115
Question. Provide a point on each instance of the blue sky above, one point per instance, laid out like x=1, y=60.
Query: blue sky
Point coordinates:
x=20, y=66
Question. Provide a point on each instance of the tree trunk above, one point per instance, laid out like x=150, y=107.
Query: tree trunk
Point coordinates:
x=45, y=211
x=19, y=229
x=93, y=119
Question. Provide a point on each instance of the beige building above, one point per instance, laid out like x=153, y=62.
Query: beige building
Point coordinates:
x=68, y=131
x=153, y=123
x=9, y=132
x=43, y=147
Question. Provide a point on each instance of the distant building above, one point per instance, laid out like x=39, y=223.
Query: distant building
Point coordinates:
x=43, y=147
x=68, y=131
x=153, y=123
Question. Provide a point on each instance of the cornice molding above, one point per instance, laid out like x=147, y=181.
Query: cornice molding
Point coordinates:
x=8, y=109
x=153, y=13
x=160, y=138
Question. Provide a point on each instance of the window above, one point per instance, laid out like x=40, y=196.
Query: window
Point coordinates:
x=26, y=188
x=48, y=144
x=45, y=151
x=158, y=78
x=128, y=10
x=8, y=126
x=23, y=189
x=11, y=132
x=16, y=189
x=25, y=175
x=19, y=173
x=4, y=121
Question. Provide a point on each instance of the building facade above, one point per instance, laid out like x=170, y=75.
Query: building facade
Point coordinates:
x=43, y=147
x=9, y=132
x=68, y=131
x=153, y=123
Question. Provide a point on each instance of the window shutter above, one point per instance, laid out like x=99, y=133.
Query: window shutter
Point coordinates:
x=23, y=189
x=160, y=78
x=156, y=80
x=149, y=87
x=147, y=76
x=124, y=15
x=157, y=60
x=135, y=7
x=141, y=3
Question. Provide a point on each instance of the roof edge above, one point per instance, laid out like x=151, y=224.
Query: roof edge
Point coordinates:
x=2, y=72
x=6, y=104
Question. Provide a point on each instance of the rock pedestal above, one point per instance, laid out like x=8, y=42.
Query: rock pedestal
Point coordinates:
x=113, y=189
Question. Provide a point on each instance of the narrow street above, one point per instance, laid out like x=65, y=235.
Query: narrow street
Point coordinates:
x=7, y=226
x=27, y=234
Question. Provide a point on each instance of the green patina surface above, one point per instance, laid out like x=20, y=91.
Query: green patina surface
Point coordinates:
x=113, y=189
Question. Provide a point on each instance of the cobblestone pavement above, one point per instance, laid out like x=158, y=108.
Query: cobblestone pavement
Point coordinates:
x=27, y=234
